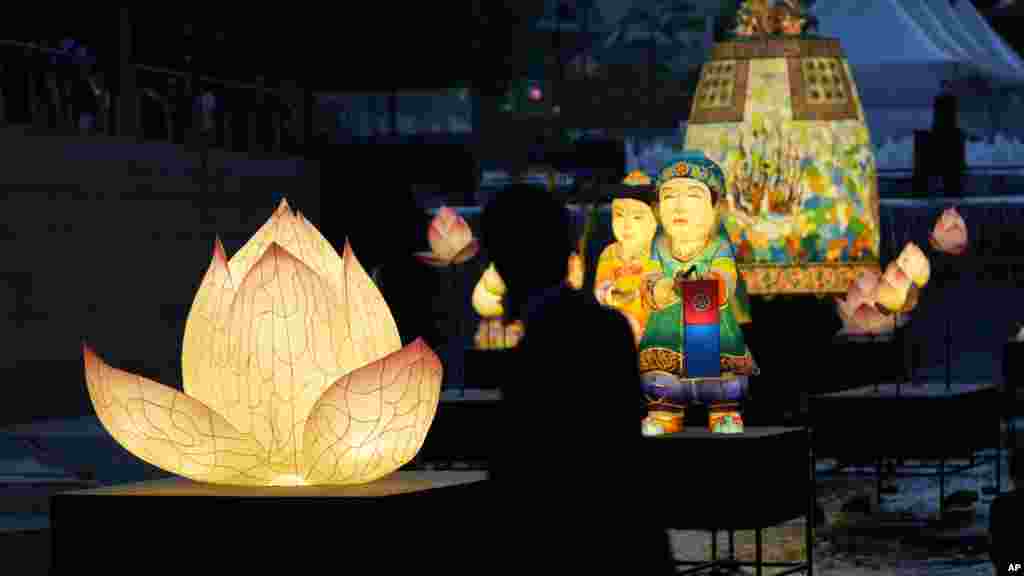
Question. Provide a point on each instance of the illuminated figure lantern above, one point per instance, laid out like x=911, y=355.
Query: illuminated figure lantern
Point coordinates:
x=623, y=264
x=493, y=332
x=692, y=349
x=779, y=112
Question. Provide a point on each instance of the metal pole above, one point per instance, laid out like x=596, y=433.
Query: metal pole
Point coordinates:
x=812, y=523
x=393, y=111
x=3, y=101
x=229, y=131
x=942, y=488
x=170, y=107
x=256, y=140
x=128, y=102
x=31, y=89
x=949, y=345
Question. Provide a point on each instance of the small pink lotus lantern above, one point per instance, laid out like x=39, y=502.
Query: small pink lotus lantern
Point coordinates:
x=858, y=310
x=950, y=233
x=451, y=240
x=876, y=304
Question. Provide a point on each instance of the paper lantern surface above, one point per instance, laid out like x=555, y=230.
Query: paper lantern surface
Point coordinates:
x=451, y=240
x=782, y=117
x=293, y=373
x=701, y=341
x=623, y=264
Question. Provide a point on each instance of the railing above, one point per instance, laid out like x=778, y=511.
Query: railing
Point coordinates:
x=50, y=95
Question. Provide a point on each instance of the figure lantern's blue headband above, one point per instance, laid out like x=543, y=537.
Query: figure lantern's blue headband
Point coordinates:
x=695, y=165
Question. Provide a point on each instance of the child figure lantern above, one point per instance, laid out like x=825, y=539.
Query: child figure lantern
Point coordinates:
x=691, y=348
x=624, y=264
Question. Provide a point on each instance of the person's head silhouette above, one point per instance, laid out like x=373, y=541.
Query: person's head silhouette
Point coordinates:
x=527, y=235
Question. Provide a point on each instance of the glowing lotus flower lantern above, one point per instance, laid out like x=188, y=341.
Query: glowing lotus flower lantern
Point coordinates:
x=493, y=333
x=293, y=372
x=488, y=293
x=879, y=304
x=949, y=235
x=451, y=240
x=858, y=312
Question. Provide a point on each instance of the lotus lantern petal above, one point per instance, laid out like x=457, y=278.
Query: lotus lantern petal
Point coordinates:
x=488, y=293
x=950, y=233
x=293, y=373
x=893, y=288
x=914, y=264
x=868, y=320
x=451, y=240
x=859, y=311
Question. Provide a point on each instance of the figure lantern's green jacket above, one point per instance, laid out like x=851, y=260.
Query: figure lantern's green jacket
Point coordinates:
x=664, y=328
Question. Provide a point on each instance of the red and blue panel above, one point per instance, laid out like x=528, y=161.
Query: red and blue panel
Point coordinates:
x=701, y=340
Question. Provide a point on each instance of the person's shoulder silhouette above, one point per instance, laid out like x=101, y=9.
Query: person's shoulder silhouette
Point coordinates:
x=1004, y=522
x=529, y=236
x=573, y=406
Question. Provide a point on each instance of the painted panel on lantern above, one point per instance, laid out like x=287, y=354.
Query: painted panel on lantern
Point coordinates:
x=701, y=339
x=798, y=191
x=702, y=351
x=700, y=298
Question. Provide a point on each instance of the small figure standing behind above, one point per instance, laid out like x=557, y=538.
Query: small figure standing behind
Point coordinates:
x=624, y=264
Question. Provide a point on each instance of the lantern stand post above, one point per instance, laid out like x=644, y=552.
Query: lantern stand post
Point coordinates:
x=948, y=346
x=946, y=278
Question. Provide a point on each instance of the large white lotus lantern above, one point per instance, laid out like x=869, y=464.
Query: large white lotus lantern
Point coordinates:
x=293, y=369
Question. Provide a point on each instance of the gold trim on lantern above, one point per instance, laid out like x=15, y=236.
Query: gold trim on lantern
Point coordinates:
x=661, y=360
x=778, y=48
x=808, y=278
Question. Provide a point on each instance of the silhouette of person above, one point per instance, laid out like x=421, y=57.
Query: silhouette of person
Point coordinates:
x=947, y=139
x=396, y=271
x=1004, y=522
x=569, y=460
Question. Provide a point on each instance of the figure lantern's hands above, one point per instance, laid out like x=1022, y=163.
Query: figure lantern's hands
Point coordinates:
x=623, y=297
x=666, y=292
x=603, y=292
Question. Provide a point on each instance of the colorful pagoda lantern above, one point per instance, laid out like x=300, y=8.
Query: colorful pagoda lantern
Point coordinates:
x=779, y=112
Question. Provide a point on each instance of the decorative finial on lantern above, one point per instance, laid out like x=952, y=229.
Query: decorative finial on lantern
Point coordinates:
x=764, y=18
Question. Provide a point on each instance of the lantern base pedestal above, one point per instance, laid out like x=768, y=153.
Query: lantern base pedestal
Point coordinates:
x=715, y=471
x=911, y=422
x=387, y=526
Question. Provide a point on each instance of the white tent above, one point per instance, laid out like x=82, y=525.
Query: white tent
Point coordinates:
x=976, y=47
x=979, y=28
x=902, y=50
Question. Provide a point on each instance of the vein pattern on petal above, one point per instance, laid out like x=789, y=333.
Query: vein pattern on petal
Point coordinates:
x=170, y=430
x=374, y=420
